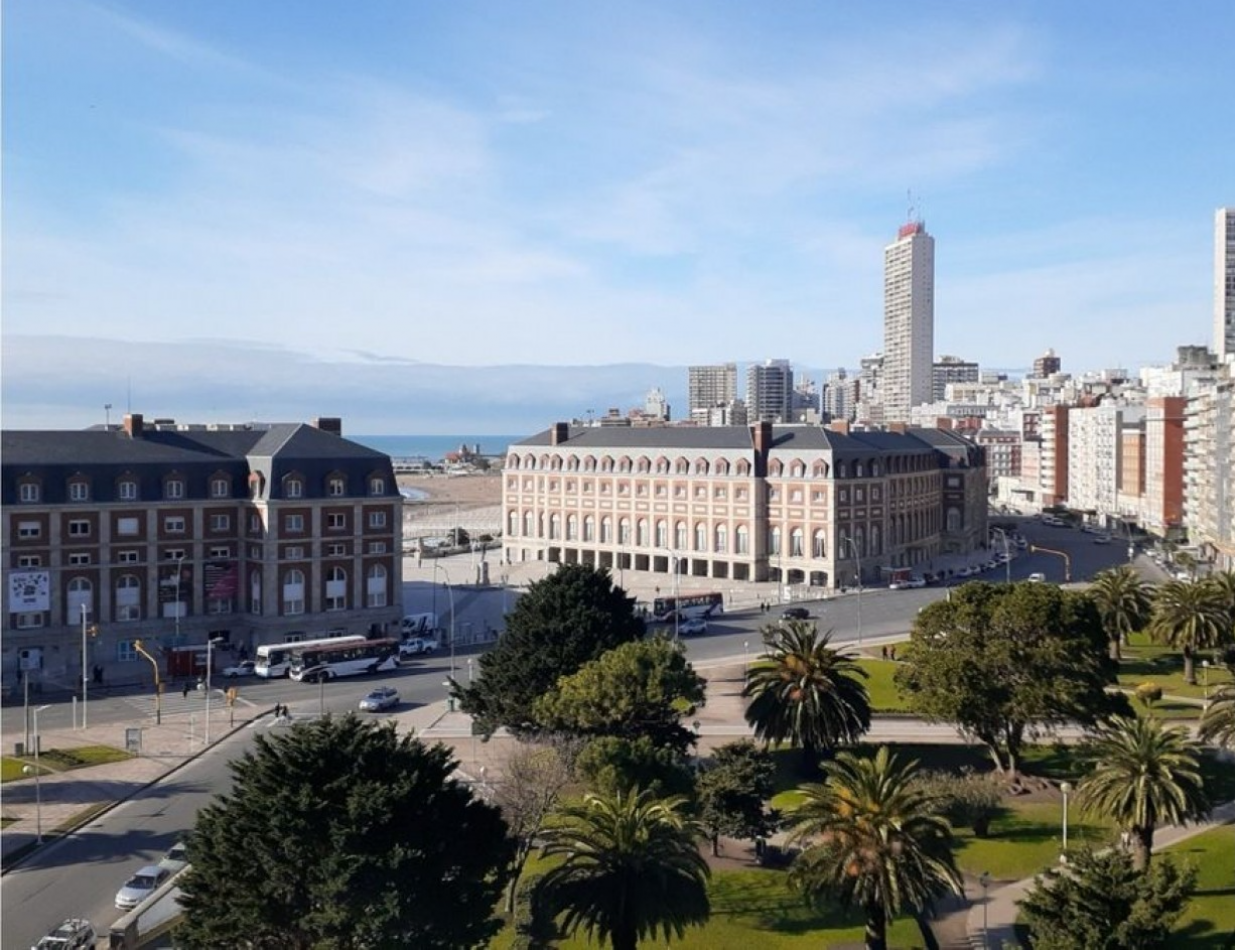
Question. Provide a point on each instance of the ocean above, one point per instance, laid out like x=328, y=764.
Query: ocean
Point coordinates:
x=435, y=447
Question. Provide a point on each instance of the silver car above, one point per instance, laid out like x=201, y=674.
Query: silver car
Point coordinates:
x=379, y=699
x=74, y=934
x=141, y=885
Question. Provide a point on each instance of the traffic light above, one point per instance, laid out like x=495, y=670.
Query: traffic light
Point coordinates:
x=93, y=630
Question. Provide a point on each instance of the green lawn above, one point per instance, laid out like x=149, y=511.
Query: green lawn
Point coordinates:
x=1209, y=922
x=1147, y=662
x=61, y=760
x=1027, y=838
x=884, y=696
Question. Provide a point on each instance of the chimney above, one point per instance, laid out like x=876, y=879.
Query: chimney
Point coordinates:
x=133, y=425
x=761, y=435
x=839, y=425
x=331, y=424
x=901, y=427
x=559, y=433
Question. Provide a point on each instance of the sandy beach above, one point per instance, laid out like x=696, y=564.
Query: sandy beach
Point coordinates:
x=466, y=491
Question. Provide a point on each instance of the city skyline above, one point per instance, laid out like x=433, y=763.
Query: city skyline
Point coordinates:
x=570, y=187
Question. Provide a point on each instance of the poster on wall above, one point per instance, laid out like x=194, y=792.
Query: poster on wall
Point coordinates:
x=29, y=591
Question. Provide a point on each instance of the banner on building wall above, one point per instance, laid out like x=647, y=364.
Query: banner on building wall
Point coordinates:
x=29, y=591
x=222, y=579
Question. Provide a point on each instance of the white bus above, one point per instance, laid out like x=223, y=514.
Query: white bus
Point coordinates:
x=327, y=661
x=274, y=660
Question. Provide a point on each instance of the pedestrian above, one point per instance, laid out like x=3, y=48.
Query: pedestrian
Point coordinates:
x=892, y=653
x=885, y=652
x=185, y=691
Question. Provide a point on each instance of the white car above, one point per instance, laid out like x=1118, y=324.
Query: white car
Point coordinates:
x=417, y=645
x=141, y=885
x=915, y=582
x=1037, y=577
x=243, y=668
x=692, y=625
x=74, y=934
x=380, y=699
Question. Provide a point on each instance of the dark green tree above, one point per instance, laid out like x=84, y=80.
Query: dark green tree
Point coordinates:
x=612, y=764
x=873, y=839
x=562, y=622
x=732, y=791
x=630, y=869
x=1003, y=662
x=1102, y=902
x=803, y=691
x=342, y=833
x=1218, y=721
x=1123, y=603
x=636, y=689
x=1190, y=615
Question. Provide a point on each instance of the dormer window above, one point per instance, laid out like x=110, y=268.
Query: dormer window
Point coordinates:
x=293, y=488
x=173, y=488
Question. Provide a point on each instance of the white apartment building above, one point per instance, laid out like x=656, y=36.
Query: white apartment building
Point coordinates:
x=1095, y=456
x=711, y=386
x=1209, y=470
x=908, y=321
x=1224, y=283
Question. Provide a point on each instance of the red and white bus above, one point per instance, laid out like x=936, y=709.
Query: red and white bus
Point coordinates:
x=274, y=660
x=327, y=661
x=687, y=607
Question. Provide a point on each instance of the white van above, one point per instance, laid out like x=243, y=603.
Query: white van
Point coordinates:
x=1037, y=578
x=417, y=625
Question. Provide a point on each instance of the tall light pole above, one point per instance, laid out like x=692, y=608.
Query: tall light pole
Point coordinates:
x=179, y=563
x=209, y=662
x=1065, y=788
x=1007, y=557
x=858, y=559
x=158, y=685
x=985, y=881
x=38, y=788
x=451, y=592
x=85, y=673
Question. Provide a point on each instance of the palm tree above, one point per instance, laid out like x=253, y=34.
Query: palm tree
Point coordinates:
x=632, y=868
x=874, y=838
x=1123, y=603
x=1143, y=775
x=1218, y=722
x=1224, y=583
x=1189, y=615
x=805, y=692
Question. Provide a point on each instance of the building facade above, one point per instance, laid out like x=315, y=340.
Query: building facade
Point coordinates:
x=710, y=387
x=949, y=370
x=769, y=391
x=173, y=534
x=796, y=504
x=1224, y=283
x=908, y=321
x=1209, y=470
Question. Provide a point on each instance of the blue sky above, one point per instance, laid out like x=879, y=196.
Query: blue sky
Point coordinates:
x=570, y=184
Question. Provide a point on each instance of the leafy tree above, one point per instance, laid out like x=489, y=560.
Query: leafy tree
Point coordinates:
x=1004, y=662
x=1123, y=604
x=732, y=790
x=562, y=622
x=630, y=869
x=1191, y=616
x=533, y=779
x=1218, y=721
x=342, y=833
x=873, y=839
x=968, y=800
x=1143, y=775
x=803, y=691
x=612, y=763
x=1101, y=902
x=635, y=689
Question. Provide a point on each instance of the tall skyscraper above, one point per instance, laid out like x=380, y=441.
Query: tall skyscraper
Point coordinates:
x=908, y=320
x=769, y=391
x=1224, y=283
x=1048, y=364
x=711, y=386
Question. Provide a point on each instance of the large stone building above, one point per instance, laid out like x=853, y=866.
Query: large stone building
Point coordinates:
x=174, y=533
x=797, y=504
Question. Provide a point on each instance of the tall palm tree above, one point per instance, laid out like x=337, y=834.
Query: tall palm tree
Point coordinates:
x=1123, y=603
x=1224, y=583
x=873, y=838
x=1143, y=774
x=631, y=868
x=1189, y=615
x=1218, y=722
x=803, y=691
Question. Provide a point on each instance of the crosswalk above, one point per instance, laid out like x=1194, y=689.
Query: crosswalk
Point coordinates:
x=177, y=704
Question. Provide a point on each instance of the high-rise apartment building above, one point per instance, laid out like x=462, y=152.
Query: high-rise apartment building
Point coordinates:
x=840, y=396
x=769, y=392
x=1048, y=364
x=951, y=369
x=1224, y=283
x=711, y=386
x=908, y=320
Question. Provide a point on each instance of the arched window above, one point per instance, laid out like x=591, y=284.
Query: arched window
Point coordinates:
x=624, y=531
x=722, y=539
x=681, y=467
x=255, y=591
x=513, y=461
x=589, y=528
x=572, y=464
x=954, y=520
x=701, y=466
x=795, y=542
x=555, y=526
x=876, y=540
x=293, y=592
x=529, y=524
x=336, y=589
x=701, y=537
x=679, y=536
x=512, y=523
x=128, y=598
x=540, y=525
x=743, y=467
x=375, y=586
x=775, y=469
x=293, y=487
x=662, y=534
x=819, y=544
x=662, y=466
x=797, y=470
x=722, y=467
x=641, y=533
x=742, y=539
x=606, y=530
x=80, y=594
x=336, y=486
x=606, y=464
x=774, y=541
x=572, y=527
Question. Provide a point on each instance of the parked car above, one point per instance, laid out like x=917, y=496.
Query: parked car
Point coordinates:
x=176, y=858
x=692, y=625
x=1037, y=577
x=243, y=668
x=794, y=613
x=915, y=582
x=379, y=699
x=76, y=933
x=141, y=885
x=413, y=646
x=1101, y=539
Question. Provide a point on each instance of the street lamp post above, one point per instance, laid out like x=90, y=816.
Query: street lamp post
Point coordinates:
x=858, y=559
x=209, y=658
x=158, y=685
x=1007, y=557
x=676, y=561
x=85, y=673
x=1205, y=680
x=179, y=565
x=1065, y=788
x=38, y=788
x=451, y=591
x=985, y=881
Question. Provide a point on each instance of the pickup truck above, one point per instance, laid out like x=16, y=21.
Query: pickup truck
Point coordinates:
x=414, y=646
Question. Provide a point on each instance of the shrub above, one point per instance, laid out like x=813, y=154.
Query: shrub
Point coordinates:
x=1149, y=693
x=968, y=800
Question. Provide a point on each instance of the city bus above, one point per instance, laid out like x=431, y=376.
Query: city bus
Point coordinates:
x=687, y=607
x=327, y=661
x=274, y=660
